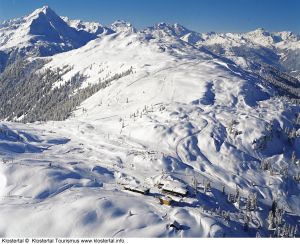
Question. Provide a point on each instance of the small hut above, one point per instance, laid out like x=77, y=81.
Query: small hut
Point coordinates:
x=165, y=201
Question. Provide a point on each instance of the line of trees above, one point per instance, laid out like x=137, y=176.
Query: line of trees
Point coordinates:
x=286, y=85
x=28, y=94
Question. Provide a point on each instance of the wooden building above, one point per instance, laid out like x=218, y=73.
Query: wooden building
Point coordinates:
x=165, y=201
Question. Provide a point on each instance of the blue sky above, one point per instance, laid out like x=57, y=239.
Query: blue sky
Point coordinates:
x=199, y=15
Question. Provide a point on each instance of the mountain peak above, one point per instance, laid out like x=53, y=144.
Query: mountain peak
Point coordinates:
x=259, y=31
x=122, y=26
x=46, y=10
x=91, y=27
x=162, y=24
x=122, y=22
x=43, y=32
x=175, y=29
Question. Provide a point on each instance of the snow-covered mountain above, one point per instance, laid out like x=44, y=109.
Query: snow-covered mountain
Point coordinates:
x=43, y=25
x=91, y=27
x=42, y=33
x=159, y=136
x=123, y=26
x=279, y=49
x=163, y=29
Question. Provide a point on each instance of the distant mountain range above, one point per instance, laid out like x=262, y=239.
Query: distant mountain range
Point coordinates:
x=29, y=43
x=44, y=33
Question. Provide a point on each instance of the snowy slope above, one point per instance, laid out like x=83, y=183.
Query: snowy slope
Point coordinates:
x=167, y=122
x=182, y=118
x=279, y=49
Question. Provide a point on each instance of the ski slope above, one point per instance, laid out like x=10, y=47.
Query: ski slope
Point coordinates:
x=168, y=119
x=183, y=119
